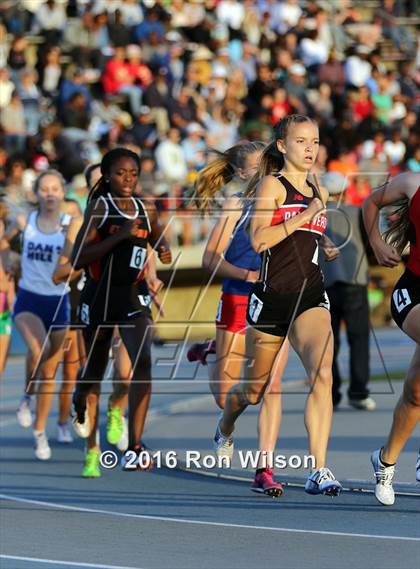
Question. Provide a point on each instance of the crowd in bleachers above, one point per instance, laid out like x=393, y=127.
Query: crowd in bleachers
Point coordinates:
x=175, y=79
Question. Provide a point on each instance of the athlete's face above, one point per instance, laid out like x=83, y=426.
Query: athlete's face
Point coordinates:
x=123, y=177
x=300, y=148
x=50, y=193
x=251, y=165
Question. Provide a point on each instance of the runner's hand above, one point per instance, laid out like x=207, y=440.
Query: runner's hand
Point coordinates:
x=164, y=255
x=385, y=254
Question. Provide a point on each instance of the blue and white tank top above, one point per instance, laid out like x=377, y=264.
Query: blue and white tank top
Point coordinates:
x=40, y=253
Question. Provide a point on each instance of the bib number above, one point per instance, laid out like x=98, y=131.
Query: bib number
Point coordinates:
x=255, y=307
x=144, y=299
x=401, y=298
x=138, y=258
x=84, y=314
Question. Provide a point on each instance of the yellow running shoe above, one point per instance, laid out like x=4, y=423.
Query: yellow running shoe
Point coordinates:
x=115, y=425
x=91, y=468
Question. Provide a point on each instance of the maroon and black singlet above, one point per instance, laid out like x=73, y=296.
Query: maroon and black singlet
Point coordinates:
x=291, y=279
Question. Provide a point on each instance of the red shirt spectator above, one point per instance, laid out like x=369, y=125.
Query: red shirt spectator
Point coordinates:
x=362, y=107
x=137, y=69
x=281, y=106
x=117, y=73
x=357, y=191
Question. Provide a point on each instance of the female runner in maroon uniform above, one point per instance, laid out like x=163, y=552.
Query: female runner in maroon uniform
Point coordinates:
x=290, y=300
x=112, y=243
x=404, y=192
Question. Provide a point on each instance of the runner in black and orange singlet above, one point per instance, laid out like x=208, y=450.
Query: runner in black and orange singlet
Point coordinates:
x=289, y=301
x=112, y=244
x=403, y=191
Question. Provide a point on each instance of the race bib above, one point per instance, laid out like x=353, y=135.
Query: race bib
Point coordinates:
x=138, y=258
x=401, y=298
x=255, y=307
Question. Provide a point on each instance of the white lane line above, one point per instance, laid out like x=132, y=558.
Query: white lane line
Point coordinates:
x=199, y=522
x=66, y=563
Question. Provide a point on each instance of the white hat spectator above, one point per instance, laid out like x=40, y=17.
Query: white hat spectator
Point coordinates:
x=297, y=69
x=219, y=71
x=133, y=50
x=202, y=53
x=195, y=128
x=335, y=183
x=173, y=36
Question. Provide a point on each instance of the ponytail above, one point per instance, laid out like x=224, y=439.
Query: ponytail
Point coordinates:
x=211, y=180
x=397, y=235
x=271, y=160
x=220, y=172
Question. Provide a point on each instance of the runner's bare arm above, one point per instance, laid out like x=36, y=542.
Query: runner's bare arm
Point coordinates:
x=64, y=268
x=219, y=240
x=271, y=194
x=402, y=186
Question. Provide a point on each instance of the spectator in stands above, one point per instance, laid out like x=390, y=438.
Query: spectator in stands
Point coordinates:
x=413, y=163
x=12, y=120
x=50, y=21
x=295, y=86
x=6, y=87
x=170, y=158
x=118, y=79
x=362, y=106
x=394, y=148
x=346, y=281
x=119, y=32
x=382, y=100
x=16, y=60
x=75, y=114
x=231, y=13
x=150, y=24
x=144, y=129
x=357, y=67
x=158, y=97
x=31, y=97
x=194, y=147
x=131, y=12
x=313, y=51
x=49, y=70
x=221, y=129
x=75, y=82
x=183, y=110
x=141, y=74
x=281, y=106
x=149, y=177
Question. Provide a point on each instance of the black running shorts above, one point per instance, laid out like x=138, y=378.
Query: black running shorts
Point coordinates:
x=405, y=296
x=273, y=313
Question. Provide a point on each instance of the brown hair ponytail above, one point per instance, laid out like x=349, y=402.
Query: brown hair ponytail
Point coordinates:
x=221, y=171
x=397, y=235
